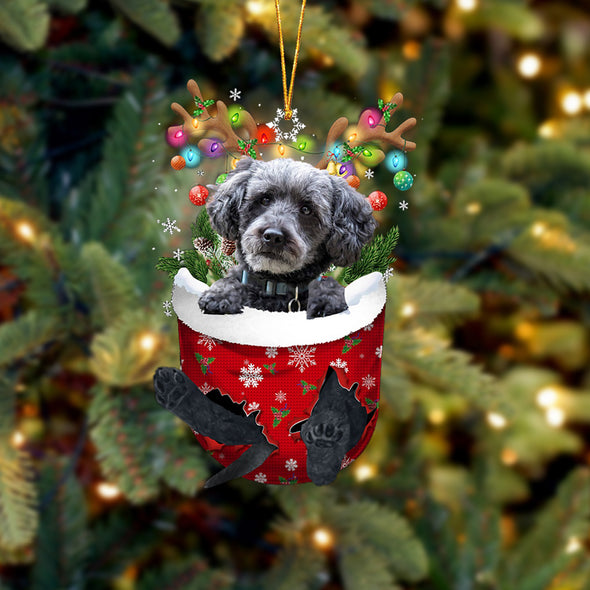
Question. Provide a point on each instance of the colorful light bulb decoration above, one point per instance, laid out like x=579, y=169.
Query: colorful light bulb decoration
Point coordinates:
x=191, y=155
x=396, y=160
x=371, y=117
x=211, y=147
x=264, y=134
x=176, y=137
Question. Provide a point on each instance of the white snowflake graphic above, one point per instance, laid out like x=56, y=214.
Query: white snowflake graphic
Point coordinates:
x=271, y=352
x=281, y=135
x=369, y=381
x=251, y=375
x=177, y=254
x=169, y=225
x=201, y=172
x=280, y=396
x=379, y=351
x=368, y=328
x=369, y=173
x=207, y=342
x=388, y=274
x=346, y=462
x=340, y=364
x=235, y=94
x=260, y=477
x=403, y=205
x=253, y=406
x=206, y=388
x=290, y=464
x=167, y=305
x=302, y=356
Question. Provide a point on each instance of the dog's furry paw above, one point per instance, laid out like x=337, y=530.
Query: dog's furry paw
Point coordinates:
x=170, y=386
x=326, y=297
x=216, y=302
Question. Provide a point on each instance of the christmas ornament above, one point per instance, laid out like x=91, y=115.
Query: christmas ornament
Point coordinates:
x=403, y=180
x=377, y=200
x=176, y=137
x=353, y=181
x=177, y=163
x=275, y=369
x=198, y=195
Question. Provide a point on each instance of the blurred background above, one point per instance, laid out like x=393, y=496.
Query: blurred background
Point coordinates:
x=477, y=475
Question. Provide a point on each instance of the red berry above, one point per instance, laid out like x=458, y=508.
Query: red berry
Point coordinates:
x=177, y=163
x=377, y=200
x=198, y=195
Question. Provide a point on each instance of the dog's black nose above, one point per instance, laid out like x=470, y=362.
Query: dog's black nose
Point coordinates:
x=273, y=237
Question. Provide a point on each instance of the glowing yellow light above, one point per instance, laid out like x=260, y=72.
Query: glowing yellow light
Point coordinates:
x=573, y=545
x=548, y=129
x=352, y=137
x=473, y=208
x=509, y=457
x=108, y=491
x=571, y=103
x=234, y=163
x=437, y=416
x=195, y=123
x=17, y=439
x=538, y=229
x=323, y=538
x=364, y=471
x=496, y=420
x=587, y=98
x=525, y=331
x=466, y=5
x=411, y=50
x=25, y=231
x=555, y=417
x=408, y=310
x=529, y=65
x=281, y=149
x=148, y=341
x=256, y=7
x=547, y=397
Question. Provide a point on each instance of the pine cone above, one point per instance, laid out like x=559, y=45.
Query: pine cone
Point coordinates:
x=203, y=245
x=227, y=246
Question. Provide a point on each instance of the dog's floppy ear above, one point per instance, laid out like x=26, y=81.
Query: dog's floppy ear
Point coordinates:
x=224, y=208
x=353, y=223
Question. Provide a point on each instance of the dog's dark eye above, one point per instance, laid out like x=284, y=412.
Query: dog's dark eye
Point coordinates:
x=306, y=209
x=265, y=201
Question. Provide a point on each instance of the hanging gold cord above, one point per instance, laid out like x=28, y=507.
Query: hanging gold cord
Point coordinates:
x=288, y=95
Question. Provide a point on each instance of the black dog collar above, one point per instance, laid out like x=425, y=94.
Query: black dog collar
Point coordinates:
x=270, y=287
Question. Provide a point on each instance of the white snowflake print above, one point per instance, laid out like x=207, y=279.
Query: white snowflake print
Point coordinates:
x=290, y=464
x=253, y=406
x=340, y=364
x=169, y=226
x=235, y=94
x=260, y=477
x=201, y=172
x=177, y=254
x=379, y=351
x=346, y=462
x=280, y=396
x=281, y=135
x=251, y=375
x=368, y=328
x=167, y=305
x=387, y=275
x=369, y=173
x=302, y=356
x=208, y=342
x=206, y=388
x=403, y=205
x=369, y=381
x=271, y=352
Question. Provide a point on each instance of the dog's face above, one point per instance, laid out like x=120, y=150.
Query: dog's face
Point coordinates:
x=286, y=215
